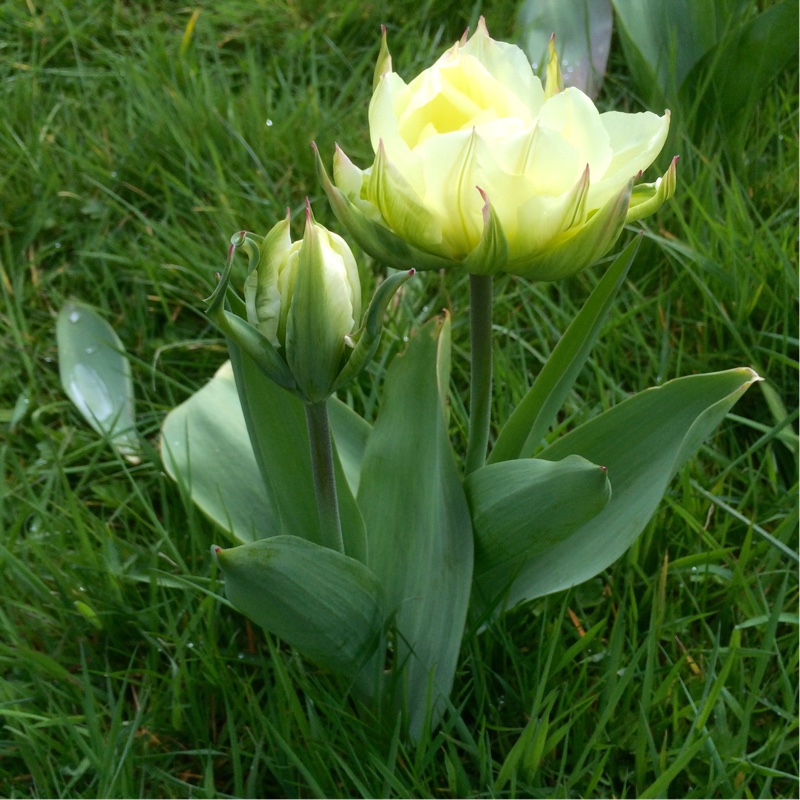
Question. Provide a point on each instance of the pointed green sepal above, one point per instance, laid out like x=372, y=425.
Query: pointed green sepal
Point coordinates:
x=491, y=253
x=318, y=320
x=368, y=336
x=647, y=198
x=554, y=80
x=327, y=605
x=384, y=62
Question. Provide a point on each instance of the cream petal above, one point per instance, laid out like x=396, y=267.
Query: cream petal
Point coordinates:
x=573, y=115
x=550, y=163
x=403, y=209
x=350, y=272
x=508, y=65
x=454, y=166
x=383, y=109
x=469, y=77
x=636, y=141
x=346, y=175
x=542, y=218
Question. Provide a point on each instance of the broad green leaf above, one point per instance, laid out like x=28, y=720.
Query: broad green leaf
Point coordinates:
x=747, y=60
x=350, y=433
x=327, y=605
x=525, y=428
x=276, y=422
x=521, y=509
x=418, y=522
x=664, y=40
x=96, y=375
x=642, y=442
x=205, y=446
x=670, y=36
x=583, y=38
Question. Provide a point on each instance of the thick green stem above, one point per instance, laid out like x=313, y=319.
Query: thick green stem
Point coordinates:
x=480, y=399
x=319, y=436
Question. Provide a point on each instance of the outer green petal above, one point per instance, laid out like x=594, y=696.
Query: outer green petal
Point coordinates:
x=387, y=189
x=321, y=315
x=573, y=251
x=372, y=237
x=267, y=300
x=541, y=219
x=648, y=197
x=491, y=254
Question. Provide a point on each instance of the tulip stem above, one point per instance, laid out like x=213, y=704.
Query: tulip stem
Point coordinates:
x=319, y=436
x=480, y=342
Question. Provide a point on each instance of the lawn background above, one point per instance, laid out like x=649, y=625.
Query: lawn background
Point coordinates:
x=135, y=139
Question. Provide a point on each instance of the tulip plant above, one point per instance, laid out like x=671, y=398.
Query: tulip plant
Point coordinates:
x=370, y=546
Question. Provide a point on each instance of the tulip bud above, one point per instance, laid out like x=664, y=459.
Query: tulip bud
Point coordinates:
x=302, y=301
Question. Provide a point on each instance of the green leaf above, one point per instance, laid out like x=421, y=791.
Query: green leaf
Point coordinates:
x=663, y=40
x=418, y=523
x=749, y=59
x=521, y=509
x=96, y=375
x=525, y=428
x=327, y=605
x=205, y=446
x=642, y=442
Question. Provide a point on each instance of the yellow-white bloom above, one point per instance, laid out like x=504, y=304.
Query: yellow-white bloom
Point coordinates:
x=478, y=164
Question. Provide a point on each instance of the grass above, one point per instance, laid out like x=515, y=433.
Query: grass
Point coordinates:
x=132, y=145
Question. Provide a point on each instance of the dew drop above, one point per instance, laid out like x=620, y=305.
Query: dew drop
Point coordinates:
x=58, y=245
x=405, y=338
x=269, y=123
x=74, y=316
x=90, y=350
